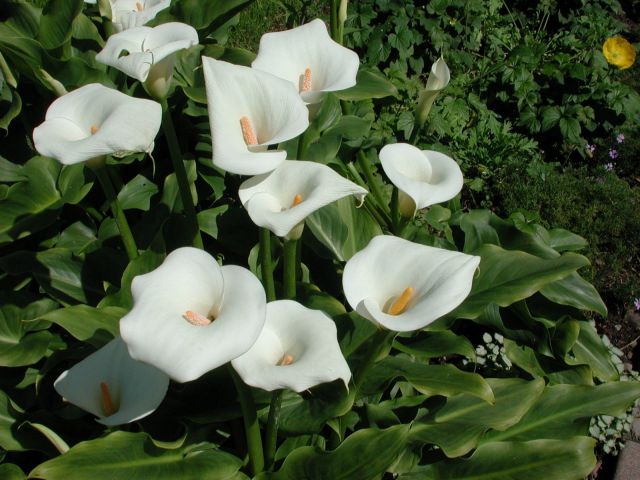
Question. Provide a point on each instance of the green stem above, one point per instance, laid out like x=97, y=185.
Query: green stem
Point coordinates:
x=413, y=138
x=121, y=220
x=181, y=174
x=334, y=22
x=394, y=210
x=376, y=346
x=365, y=166
x=290, y=267
x=267, y=264
x=251, y=425
x=271, y=435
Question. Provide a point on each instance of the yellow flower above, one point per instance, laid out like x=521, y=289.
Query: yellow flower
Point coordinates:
x=619, y=52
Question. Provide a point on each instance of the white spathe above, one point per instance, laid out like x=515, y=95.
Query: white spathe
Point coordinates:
x=438, y=79
x=136, y=388
x=94, y=120
x=157, y=331
x=272, y=107
x=138, y=50
x=290, y=53
x=426, y=176
x=128, y=14
x=297, y=349
x=376, y=277
x=269, y=198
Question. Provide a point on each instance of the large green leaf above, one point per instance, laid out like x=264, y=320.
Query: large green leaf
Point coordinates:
x=364, y=455
x=506, y=276
x=444, y=380
x=137, y=193
x=23, y=342
x=33, y=204
x=589, y=349
x=56, y=23
x=9, y=471
x=369, y=84
x=563, y=411
x=459, y=424
x=206, y=16
x=569, y=459
x=94, y=325
x=9, y=415
x=575, y=291
x=342, y=228
x=123, y=455
x=436, y=344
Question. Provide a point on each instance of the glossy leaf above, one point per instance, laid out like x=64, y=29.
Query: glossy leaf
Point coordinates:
x=575, y=291
x=137, y=193
x=134, y=455
x=369, y=84
x=88, y=324
x=56, y=23
x=590, y=350
x=436, y=344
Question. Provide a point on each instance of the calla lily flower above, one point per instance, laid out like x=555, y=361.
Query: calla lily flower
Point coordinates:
x=282, y=199
x=437, y=81
x=307, y=57
x=297, y=349
x=134, y=13
x=148, y=54
x=424, y=177
x=113, y=386
x=95, y=120
x=248, y=111
x=405, y=286
x=190, y=315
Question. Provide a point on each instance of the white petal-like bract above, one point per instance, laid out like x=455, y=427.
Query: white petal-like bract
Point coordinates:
x=128, y=14
x=135, y=388
x=95, y=120
x=297, y=349
x=270, y=198
x=291, y=53
x=229, y=300
x=137, y=50
x=426, y=176
x=273, y=110
x=433, y=281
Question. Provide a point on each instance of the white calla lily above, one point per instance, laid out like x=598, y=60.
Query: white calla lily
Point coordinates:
x=248, y=111
x=405, y=286
x=190, y=315
x=307, y=57
x=95, y=120
x=282, y=199
x=148, y=54
x=297, y=349
x=425, y=176
x=113, y=386
x=438, y=79
x=128, y=14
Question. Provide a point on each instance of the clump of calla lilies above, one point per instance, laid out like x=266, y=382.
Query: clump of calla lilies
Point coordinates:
x=192, y=315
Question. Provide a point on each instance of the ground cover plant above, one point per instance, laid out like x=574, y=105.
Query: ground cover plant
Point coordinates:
x=224, y=263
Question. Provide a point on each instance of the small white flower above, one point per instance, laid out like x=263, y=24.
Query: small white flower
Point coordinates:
x=297, y=349
x=113, y=386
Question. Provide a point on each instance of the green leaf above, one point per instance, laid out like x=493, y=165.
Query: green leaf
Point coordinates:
x=459, y=424
x=565, y=410
x=563, y=240
x=568, y=459
x=88, y=324
x=436, y=344
x=570, y=129
x=73, y=184
x=207, y=220
x=445, y=380
x=550, y=117
x=10, y=172
x=11, y=111
x=9, y=471
x=589, y=349
x=55, y=439
x=507, y=276
x=56, y=23
x=33, y=204
x=123, y=455
x=364, y=455
x=342, y=228
x=207, y=16
x=9, y=415
x=575, y=291
x=22, y=342
x=369, y=84
x=137, y=193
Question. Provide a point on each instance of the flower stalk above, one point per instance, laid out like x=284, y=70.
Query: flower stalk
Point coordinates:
x=121, y=220
x=271, y=434
x=181, y=174
x=290, y=268
x=365, y=166
x=251, y=425
x=267, y=264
